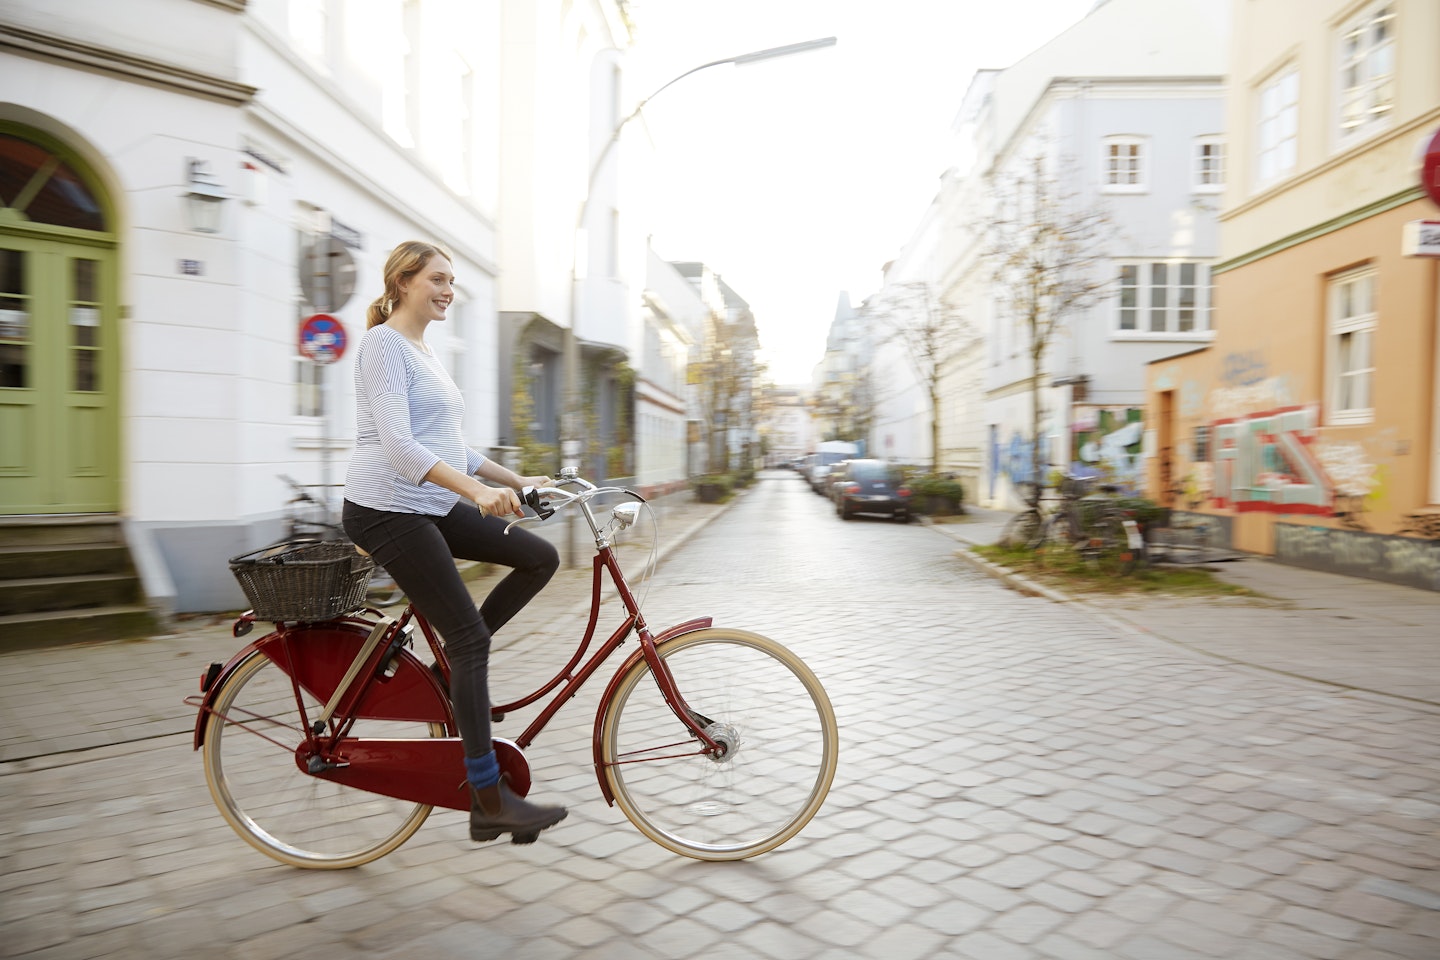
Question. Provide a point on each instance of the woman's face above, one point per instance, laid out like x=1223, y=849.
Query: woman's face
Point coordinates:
x=430, y=291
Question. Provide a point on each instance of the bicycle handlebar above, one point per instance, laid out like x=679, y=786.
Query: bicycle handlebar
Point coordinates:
x=541, y=499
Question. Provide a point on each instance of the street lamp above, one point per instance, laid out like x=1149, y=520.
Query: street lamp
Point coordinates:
x=572, y=340
x=756, y=56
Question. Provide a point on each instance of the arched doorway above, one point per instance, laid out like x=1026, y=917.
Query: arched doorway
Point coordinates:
x=59, y=356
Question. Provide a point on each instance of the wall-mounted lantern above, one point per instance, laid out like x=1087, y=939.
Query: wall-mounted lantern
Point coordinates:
x=204, y=197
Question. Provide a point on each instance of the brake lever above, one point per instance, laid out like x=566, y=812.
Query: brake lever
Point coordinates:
x=531, y=498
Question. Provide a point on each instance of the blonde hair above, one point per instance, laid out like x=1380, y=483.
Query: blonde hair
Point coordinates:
x=406, y=260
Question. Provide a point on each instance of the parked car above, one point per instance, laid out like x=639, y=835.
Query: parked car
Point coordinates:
x=820, y=463
x=870, y=486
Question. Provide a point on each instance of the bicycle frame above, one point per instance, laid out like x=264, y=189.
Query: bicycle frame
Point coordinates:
x=384, y=680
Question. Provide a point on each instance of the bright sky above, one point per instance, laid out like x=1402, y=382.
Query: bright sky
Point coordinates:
x=796, y=179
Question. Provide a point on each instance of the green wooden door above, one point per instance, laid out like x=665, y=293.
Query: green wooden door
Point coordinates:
x=59, y=363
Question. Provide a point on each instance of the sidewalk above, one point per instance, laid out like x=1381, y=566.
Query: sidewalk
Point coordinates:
x=1363, y=635
x=61, y=699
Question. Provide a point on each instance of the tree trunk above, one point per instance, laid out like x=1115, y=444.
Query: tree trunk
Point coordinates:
x=934, y=429
x=1035, y=355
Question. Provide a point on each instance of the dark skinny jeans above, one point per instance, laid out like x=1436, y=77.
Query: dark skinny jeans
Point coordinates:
x=419, y=551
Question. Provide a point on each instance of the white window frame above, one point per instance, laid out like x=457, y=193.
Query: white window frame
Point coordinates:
x=1148, y=301
x=1351, y=321
x=1125, y=174
x=1277, y=127
x=1365, y=72
x=1207, y=175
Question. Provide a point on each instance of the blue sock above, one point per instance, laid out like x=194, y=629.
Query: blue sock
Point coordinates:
x=482, y=771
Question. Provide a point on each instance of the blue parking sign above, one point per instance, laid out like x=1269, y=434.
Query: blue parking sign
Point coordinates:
x=322, y=338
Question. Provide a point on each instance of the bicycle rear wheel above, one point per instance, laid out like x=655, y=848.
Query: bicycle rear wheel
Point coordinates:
x=250, y=748
x=1022, y=530
x=1110, y=551
x=1055, y=544
x=763, y=705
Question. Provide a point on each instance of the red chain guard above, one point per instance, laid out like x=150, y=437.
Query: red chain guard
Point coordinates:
x=430, y=771
x=318, y=656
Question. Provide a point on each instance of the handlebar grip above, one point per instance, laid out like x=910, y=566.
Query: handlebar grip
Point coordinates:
x=531, y=498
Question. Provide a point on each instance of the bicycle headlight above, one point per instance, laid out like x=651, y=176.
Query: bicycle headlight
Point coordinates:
x=626, y=513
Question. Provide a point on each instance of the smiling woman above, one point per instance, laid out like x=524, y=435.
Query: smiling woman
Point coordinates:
x=408, y=503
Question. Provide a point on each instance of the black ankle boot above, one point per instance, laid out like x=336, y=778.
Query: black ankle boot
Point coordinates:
x=496, y=809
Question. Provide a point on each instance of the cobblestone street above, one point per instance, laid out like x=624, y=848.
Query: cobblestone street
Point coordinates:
x=1018, y=778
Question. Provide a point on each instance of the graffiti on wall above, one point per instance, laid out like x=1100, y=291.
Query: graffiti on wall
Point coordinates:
x=1258, y=447
x=1266, y=461
x=1108, y=443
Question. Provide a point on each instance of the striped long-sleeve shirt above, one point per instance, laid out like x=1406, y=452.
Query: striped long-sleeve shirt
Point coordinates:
x=409, y=416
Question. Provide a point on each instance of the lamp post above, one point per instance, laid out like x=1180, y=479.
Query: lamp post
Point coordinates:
x=571, y=420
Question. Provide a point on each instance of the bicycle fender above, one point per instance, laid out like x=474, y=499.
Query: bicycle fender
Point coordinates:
x=317, y=656
x=680, y=629
x=208, y=693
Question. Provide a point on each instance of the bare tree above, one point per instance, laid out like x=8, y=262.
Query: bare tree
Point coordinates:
x=1044, y=247
x=930, y=332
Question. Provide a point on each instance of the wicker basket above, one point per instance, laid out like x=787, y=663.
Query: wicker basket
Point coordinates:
x=304, y=581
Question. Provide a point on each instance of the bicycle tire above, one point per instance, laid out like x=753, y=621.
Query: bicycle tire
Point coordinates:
x=1022, y=530
x=383, y=591
x=762, y=701
x=1110, y=552
x=276, y=807
x=1055, y=544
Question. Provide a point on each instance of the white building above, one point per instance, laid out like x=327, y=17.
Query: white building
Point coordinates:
x=1125, y=112
x=676, y=318
x=335, y=126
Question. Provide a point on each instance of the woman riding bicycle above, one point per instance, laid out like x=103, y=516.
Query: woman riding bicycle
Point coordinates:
x=411, y=499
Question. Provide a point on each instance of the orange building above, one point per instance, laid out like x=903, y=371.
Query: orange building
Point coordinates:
x=1310, y=428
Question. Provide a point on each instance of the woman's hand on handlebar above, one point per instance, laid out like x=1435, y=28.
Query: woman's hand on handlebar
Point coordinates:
x=541, y=481
x=497, y=501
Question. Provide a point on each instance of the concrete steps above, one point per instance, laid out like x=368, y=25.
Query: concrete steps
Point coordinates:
x=68, y=579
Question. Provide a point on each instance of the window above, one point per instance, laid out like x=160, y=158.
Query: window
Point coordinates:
x=1350, y=348
x=309, y=388
x=1367, y=71
x=1164, y=297
x=1208, y=175
x=1124, y=165
x=1277, y=127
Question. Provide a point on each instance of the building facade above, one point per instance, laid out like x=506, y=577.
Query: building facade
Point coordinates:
x=1308, y=431
x=192, y=194
x=1117, y=123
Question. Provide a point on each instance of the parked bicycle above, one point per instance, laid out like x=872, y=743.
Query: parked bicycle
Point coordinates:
x=1023, y=530
x=328, y=741
x=1095, y=529
x=309, y=518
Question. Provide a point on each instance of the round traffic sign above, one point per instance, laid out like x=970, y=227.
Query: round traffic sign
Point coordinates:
x=327, y=274
x=322, y=338
x=1430, y=172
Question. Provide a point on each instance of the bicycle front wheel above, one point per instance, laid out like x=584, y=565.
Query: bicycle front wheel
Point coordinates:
x=250, y=748
x=762, y=705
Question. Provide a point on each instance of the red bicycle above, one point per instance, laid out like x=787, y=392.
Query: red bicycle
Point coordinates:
x=327, y=741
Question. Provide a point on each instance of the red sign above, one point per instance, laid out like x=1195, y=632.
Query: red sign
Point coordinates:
x=1430, y=175
x=322, y=338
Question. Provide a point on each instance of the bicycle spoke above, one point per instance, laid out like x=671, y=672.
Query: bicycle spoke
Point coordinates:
x=278, y=808
x=778, y=743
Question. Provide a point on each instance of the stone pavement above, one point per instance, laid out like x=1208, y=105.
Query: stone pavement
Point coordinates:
x=1353, y=633
x=1362, y=635
x=1019, y=779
